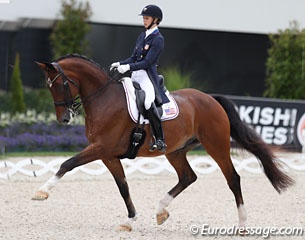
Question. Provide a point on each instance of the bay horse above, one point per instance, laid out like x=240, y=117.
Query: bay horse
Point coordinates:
x=203, y=119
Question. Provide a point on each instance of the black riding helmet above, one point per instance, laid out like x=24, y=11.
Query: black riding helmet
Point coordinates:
x=152, y=11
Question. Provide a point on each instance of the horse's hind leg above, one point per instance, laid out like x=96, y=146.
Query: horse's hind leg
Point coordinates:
x=233, y=180
x=221, y=154
x=186, y=177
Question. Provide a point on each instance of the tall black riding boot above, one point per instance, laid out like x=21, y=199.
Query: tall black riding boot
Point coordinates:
x=156, y=125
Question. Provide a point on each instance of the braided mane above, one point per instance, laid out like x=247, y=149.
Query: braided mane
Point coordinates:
x=75, y=55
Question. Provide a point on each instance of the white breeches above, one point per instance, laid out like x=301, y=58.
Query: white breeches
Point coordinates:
x=142, y=78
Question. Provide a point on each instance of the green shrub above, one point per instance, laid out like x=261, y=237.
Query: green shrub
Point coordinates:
x=175, y=79
x=68, y=36
x=39, y=100
x=16, y=102
x=286, y=64
x=4, y=102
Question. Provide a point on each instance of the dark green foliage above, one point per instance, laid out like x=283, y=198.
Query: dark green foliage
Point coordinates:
x=39, y=100
x=286, y=64
x=68, y=35
x=175, y=79
x=44, y=97
x=4, y=102
x=16, y=103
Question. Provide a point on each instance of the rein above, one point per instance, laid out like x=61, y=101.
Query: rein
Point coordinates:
x=71, y=104
x=95, y=94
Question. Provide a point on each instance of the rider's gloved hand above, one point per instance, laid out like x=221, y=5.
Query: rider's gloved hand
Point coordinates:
x=123, y=68
x=114, y=65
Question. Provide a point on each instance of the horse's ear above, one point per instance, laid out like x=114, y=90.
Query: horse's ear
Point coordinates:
x=46, y=66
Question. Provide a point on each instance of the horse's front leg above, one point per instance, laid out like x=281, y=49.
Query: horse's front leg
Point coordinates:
x=117, y=171
x=89, y=154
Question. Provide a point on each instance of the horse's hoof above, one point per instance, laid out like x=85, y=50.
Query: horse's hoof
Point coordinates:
x=162, y=217
x=125, y=227
x=40, y=195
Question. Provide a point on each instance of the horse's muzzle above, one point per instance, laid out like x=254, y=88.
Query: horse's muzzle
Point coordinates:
x=65, y=118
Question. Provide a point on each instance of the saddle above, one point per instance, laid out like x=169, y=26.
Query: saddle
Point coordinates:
x=140, y=94
x=138, y=134
x=140, y=98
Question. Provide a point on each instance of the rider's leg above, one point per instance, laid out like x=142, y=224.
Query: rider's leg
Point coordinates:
x=156, y=124
x=142, y=78
x=153, y=116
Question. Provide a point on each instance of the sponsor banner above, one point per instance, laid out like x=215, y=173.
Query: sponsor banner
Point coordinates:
x=279, y=122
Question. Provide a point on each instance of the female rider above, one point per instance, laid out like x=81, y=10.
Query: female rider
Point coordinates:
x=143, y=65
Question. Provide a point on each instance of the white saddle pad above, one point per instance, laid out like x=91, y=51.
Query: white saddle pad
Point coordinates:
x=170, y=110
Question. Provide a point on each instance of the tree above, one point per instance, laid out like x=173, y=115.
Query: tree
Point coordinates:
x=68, y=35
x=286, y=64
x=16, y=90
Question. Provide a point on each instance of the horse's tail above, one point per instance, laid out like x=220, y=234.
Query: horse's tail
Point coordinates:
x=247, y=138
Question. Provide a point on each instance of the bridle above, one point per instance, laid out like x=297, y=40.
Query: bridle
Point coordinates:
x=70, y=103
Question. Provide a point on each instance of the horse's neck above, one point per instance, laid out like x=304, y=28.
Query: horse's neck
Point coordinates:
x=97, y=92
x=92, y=82
x=104, y=96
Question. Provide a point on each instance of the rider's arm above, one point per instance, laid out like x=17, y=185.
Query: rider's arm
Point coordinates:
x=151, y=57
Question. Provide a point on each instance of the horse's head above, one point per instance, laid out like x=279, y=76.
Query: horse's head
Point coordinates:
x=63, y=89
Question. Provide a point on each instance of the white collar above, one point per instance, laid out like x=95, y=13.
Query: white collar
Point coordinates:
x=150, y=31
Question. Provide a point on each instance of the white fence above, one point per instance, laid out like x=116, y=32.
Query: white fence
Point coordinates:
x=150, y=166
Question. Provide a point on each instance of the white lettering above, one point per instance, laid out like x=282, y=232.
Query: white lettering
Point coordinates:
x=244, y=113
x=280, y=136
x=267, y=134
x=256, y=115
x=279, y=116
x=261, y=232
x=266, y=116
x=258, y=129
x=274, y=125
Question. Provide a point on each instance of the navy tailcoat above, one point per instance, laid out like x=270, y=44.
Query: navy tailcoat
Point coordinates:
x=145, y=56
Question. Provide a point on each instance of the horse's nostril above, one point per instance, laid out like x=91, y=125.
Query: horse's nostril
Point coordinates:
x=65, y=120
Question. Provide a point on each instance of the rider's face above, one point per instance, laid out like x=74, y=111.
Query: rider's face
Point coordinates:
x=147, y=20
